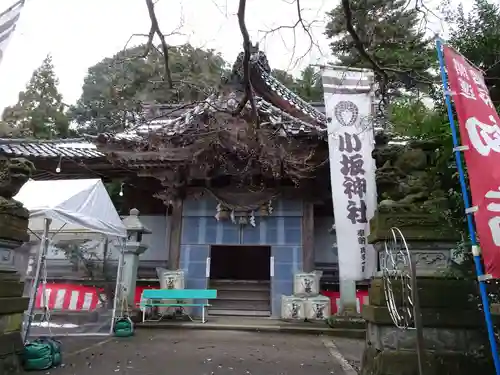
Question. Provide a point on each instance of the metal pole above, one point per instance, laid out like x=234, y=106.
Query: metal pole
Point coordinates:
x=343, y=68
x=44, y=245
x=118, y=284
x=417, y=318
x=470, y=224
x=20, y=3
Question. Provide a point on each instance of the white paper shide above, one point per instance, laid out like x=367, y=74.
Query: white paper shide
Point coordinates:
x=348, y=102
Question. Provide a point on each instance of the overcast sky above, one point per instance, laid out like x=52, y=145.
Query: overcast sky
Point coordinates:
x=79, y=33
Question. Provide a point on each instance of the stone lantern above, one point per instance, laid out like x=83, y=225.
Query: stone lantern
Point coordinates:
x=133, y=248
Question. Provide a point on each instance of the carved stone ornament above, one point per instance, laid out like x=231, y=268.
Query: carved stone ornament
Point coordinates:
x=404, y=176
x=410, y=193
x=14, y=173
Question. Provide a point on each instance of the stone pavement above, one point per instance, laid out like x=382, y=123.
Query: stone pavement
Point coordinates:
x=351, y=328
x=350, y=350
x=206, y=352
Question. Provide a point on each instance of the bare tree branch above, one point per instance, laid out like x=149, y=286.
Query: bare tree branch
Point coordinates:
x=155, y=28
x=149, y=44
x=300, y=23
x=248, y=97
x=307, y=30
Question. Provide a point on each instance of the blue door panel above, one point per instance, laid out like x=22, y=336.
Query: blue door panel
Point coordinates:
x=282, y=230
x=193, y=261
x=287, y=261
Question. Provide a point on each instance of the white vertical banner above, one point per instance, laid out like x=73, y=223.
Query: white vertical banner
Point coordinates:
x=8, y=22
x=348, y=102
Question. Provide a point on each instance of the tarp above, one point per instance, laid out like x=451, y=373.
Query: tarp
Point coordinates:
x=75, y=206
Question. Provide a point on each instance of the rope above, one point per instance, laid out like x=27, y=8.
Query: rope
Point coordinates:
x=45, y=303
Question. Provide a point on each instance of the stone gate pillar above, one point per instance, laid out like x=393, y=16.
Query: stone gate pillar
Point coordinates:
x=13, y=232
x=411, y=200
x=450, y=316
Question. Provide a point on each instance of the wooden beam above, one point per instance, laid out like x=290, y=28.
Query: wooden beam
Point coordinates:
x=308, y=237
x=174, y=249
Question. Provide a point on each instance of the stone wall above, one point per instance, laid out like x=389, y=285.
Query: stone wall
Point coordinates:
x=453, y=338
x=12, y=307
x=13, y=232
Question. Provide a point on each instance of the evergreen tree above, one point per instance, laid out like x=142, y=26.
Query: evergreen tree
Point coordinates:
x=476, y=35
x=39, y=112
x=308, y=85
x=391, y=33
x=115, y=88
x=285, y=78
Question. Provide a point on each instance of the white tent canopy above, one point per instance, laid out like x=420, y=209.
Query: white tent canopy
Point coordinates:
x=75, y=206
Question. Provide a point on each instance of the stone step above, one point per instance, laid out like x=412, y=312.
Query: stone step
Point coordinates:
x=240, y=285
x=241, y=298
x=224, y=312
x=244, y=295
x=259, y=305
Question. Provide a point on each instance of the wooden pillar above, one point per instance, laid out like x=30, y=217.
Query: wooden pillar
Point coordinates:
x=308, y=237
x=174, y=246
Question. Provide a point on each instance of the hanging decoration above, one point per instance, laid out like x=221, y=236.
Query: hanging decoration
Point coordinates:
x=242, y=216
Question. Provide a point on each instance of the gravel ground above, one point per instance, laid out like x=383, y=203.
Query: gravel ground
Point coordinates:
x=203, y=352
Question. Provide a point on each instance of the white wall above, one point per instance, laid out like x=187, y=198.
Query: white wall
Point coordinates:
x=158, y=240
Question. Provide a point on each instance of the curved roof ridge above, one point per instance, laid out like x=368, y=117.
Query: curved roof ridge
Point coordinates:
x=307, y=108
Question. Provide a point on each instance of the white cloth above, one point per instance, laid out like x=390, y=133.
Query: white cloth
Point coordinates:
x=75, y=206
x=8, y=22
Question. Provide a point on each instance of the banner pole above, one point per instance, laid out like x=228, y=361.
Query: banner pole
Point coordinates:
x=475, y=248
x=20, y=3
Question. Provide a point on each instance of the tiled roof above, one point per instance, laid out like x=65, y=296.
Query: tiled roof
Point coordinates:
x=292, y=98
x=175, y=119
x=157, y=111
x=290, y=124
x=82, y=149
x=71, y=148
x=277, y=118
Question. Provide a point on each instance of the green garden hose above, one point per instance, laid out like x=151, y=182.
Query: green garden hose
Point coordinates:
x=42, y=354
x=124, y=327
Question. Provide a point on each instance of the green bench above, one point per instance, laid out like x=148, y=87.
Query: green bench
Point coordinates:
x=149, y=296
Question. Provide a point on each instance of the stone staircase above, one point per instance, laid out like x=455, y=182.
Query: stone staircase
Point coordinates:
x=241, y=298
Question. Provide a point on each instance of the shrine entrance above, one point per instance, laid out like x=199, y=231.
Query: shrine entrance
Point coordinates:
x=242, y=277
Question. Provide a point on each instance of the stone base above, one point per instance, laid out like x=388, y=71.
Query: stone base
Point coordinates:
x=416, y=226
x=389, y=337
x=14, y=227
x=431, y=259
x=453, y=337
x=401, y=362
x=11, y=364
x=348, y=312
x=12, y=307
x=11, y=347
